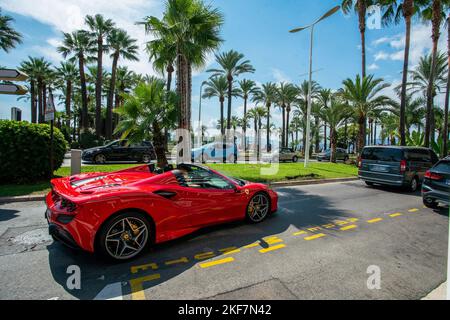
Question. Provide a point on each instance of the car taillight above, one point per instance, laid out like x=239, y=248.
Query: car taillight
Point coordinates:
x=359, y=162
x=68, y=205
x=403, y=166
x=432, y=175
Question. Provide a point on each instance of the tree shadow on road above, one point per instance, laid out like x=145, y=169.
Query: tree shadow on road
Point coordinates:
x=298, y=210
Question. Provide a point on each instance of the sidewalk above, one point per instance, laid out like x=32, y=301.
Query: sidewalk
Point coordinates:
x=440, y=293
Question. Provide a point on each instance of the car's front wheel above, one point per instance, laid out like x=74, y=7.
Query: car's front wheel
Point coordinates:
x=430, y=203
x=100, y=159
x=125, y=236
x=146, y=158
x=414, y=184
x=258, y=208
x=295, y=159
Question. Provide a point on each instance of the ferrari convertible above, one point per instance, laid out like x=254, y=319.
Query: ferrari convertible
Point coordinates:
x=120, y=214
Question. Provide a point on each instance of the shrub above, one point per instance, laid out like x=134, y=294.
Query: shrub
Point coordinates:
x=88, y=139
x=25, y=151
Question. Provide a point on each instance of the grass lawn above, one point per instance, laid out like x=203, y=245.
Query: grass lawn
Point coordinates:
x=250, y=172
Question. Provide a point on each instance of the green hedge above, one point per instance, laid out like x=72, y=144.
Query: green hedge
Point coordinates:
x=25, y=151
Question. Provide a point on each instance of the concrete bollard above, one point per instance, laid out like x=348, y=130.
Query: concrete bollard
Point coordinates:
x=75, y=162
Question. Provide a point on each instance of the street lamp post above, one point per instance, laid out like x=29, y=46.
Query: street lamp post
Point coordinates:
x=308, y=112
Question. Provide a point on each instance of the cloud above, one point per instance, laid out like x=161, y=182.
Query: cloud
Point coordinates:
x=68, y=15
x=381, y=55
x=280, y=76
x=373, y=66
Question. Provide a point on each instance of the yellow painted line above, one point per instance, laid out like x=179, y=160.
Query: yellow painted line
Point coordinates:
x=136, y=269
x=340, y=222
x=313, y=237
x=398, y=214
x=216, y=262
x=230, y=250
x=299, y=233
x=272, y=240
x=204, y=255
x=181, y=260
x=279, y=246
x=313, y=229
x=374, y=220
x=137, y=289
x=413, y=210
x=252, y=245
x=353, y=226
x=328, y=226
x=352, y=219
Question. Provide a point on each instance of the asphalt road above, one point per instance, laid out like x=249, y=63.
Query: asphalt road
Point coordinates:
x=318, y=246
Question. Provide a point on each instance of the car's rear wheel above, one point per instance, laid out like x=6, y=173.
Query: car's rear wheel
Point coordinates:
x=258, y=208
x=414, y=184
x=125, y=236
x=345, y=158
x=369, y=183
x=100, y=158
x=295, y=159
x=430, y=203
x=146, y=158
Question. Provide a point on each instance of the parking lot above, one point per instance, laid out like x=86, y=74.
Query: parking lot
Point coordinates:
x=319, y=245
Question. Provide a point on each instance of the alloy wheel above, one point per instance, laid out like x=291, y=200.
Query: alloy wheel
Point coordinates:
x=126, y=238
x=100, y=158
x=258, y=208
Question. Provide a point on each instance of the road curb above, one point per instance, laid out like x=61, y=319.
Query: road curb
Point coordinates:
x=41, y=197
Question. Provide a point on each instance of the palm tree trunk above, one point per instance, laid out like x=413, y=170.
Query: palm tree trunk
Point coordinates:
x=408, y=11
x=447, y=95
x=362, y=29
x=345, y=135
x=98, y=87
x=158, y=143
x=230, y=89
x=170, y=71
x=40, y=102
x=288, y=112
x=84, y=102
x=325, y=136
x=317, y=135
x=375, y=133
x=68, y=97
x=33, y=100
x=283, y=127
x=436, y=22
x=112, y=89
x=222, y=128
x=362, y=132
x=333, y=140
x=268, y=148
x=244, y=125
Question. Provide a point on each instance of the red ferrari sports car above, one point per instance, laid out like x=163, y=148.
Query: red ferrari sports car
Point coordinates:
x=121, y=213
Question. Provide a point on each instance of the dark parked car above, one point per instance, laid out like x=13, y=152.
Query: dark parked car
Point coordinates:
x=120, y=150
x=436, y=184
x=341, y=154
x=395, y=166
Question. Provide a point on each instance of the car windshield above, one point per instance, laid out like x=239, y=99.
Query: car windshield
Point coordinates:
x=443, y=166
x=382, y=154
x=113, y=143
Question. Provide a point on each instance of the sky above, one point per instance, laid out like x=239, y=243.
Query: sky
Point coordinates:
x=257, y=28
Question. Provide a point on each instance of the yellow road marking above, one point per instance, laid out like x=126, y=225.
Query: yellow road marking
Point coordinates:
x=299, y=233
x=395, y=215
x=314, y=229
x=352, y=219
x=328, y=226
x=181, y=260
x=348, y=227
x=204, y=255
x=280, y=246
x=136, y=269
x=216, y=262
x=413, y=210
x=340, y=222
x=272, y=240
x=252, y=245
x=316, y=236
x=137, y=289
x=230, y=250
x=374, y=220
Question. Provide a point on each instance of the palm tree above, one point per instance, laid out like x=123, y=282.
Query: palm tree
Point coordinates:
x=31, y=67
x=433, y=12
x=335, y=115
x=232, y=66
x=286, y=94
x=447, y=93
x=163, y=54
x=247, y=89
x=267, y=95
x=192, y=28
x=67, y=72
x=414, y=113
x=100, y=28
x=389, y=128
x=9, y=37
x=257, y=114
x=122, y=46
x=216, y=87
x=145, y=112
x=324, y=98
x=364, y=96
x=393, y=11
x=80, y=46
x=360, y=6
x=420, y=76
x=303, y=92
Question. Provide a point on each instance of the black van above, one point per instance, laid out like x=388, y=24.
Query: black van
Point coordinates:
x=395, y=166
